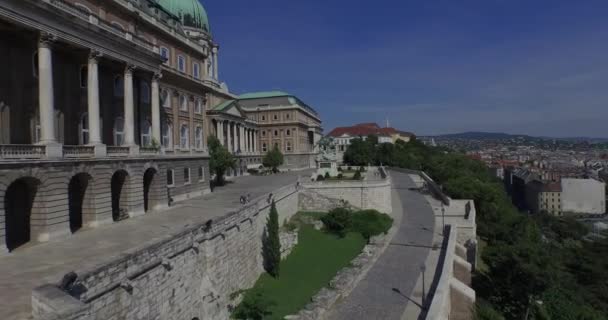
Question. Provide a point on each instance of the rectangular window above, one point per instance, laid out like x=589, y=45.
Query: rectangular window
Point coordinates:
x=264, y=147
x=201, y=174
x=186, y=175
x=170, y=178
x=196, y=70
x=164, y=53
x=181, y=63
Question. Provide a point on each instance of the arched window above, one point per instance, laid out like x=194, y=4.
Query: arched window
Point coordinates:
x=83, y=125
x=167, y=135
x=119, y=86
x=118, y=26
x=145, y=92
x=165, y=99
x=263, y=133
x=35, y=130
x=184, y=137
x=183, y=103
x=146, y=134
x=288, y=132
x=5, y=123
x=198, y=108
x=119, y=131
x=198, y=138
x=83, y=8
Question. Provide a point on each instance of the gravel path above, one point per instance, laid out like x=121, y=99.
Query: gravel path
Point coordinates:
x=383, y=293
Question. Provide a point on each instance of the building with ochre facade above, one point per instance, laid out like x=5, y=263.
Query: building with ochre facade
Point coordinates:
x=105, y=111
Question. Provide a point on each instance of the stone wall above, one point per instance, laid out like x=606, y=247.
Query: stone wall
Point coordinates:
x=326, y=195
x=182, y=276
x=453, y=297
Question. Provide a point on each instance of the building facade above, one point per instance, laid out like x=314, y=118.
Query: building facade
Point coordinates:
x=105, y=110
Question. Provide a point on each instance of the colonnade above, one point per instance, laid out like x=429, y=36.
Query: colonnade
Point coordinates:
x=47, y=107
x=236, y=137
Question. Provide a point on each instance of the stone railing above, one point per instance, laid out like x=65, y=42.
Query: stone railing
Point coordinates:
x=147, y=151
x=115, y=151
x=431, y=184
x=453, y=297
x=22, y=151
x=78, y=152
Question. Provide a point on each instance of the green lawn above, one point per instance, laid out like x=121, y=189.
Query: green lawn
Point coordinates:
x=311, y=265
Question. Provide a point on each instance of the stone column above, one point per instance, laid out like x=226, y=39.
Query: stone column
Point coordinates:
x=129, y=117
x=46, y=96
x=216, y=74
x=156, y=134
x=233, y=137
x=255, y=141
x=93, y=104
x=220, y=131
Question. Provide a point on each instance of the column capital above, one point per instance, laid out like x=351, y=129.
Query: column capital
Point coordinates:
x=129, y=68
x=157, y=76
x=46, y=40
x=95, y=55
x=215, y=49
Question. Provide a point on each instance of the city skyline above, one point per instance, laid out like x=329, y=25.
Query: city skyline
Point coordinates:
x=431, y=68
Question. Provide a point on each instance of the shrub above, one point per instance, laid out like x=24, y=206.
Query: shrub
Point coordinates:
x=371, y=223
x=362, y=169
x=320, y=178
x=340, y=169
x=253, y=171
x=357, y=176
x=254, y=307
x=338, y=221
x=326, y=175
x=349, y=168
x=340, y=176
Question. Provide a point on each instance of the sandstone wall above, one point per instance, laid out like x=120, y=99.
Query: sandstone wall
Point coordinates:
x=183, y=276
x=326, y=195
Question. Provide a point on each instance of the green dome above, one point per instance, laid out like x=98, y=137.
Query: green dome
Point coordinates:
x=190, y=12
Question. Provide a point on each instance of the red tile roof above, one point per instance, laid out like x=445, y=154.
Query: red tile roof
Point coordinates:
x=365, y=129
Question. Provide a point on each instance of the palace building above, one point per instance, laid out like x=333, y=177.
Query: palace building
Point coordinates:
x=105, y=110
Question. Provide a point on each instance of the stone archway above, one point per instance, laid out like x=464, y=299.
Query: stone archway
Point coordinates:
x=18, y=202
x=119, y=190
x=78, y=198
x=151, y=189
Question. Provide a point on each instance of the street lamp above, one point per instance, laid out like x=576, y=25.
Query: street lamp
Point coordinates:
x=422, y=270
x=443, y=219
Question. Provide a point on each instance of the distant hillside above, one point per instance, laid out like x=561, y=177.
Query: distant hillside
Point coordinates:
x=478, y=135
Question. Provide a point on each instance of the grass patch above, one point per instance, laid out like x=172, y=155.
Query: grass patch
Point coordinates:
x=311, y=265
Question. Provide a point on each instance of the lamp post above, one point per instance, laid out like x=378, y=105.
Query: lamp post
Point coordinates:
x=422, y=270
x=443, y=219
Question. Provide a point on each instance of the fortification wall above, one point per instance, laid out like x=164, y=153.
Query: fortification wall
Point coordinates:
x=326, y=195
x=181, y=276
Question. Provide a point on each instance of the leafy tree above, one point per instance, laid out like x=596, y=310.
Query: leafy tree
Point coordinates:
x=357, y=175
x=253, y=307
x=338, y=221
x=272, y=243
x=273, y=159
x=371, y=223
x=220, y=159
x=359, y=153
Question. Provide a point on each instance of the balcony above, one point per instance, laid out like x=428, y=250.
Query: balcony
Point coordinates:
x=78, y=152
x=115, y=151
x=22, y=151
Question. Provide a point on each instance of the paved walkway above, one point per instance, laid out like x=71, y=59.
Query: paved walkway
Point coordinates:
x=383, y=293
x=25, y=269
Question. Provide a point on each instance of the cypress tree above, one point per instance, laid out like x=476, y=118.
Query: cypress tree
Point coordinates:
x=272, y=244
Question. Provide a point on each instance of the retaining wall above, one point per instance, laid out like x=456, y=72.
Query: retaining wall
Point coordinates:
x=183, y=276
x=453, y=297
x=327, y=195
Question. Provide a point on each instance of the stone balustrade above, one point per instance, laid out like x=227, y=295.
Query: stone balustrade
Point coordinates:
x=115, y=151
x=22, y=151
x=147, y=151
x=78, y=152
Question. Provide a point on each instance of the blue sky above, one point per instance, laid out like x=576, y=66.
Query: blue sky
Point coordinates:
x=429, y=66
